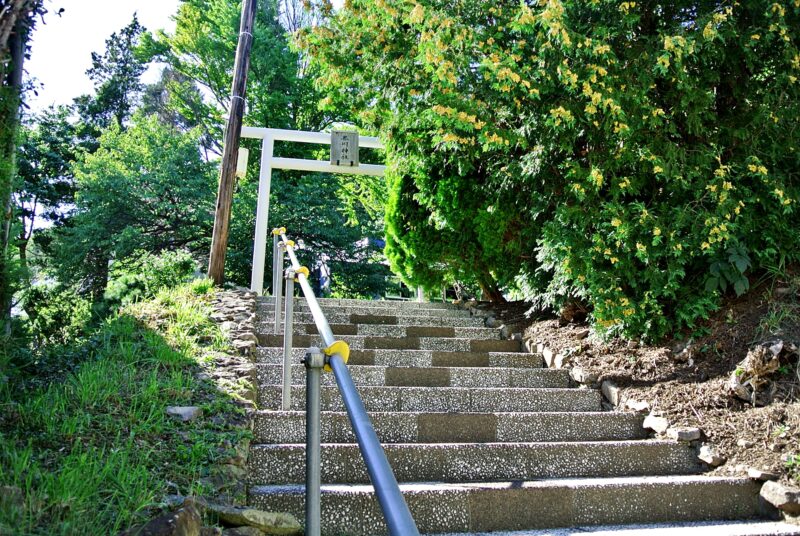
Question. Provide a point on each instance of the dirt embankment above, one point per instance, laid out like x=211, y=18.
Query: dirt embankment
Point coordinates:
x=752, y=341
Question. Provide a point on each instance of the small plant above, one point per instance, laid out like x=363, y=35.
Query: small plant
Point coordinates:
x=729, y=271
x=793, y=466
x=779, y=314
x=780, y=431
x=142, y=275
x=56, y=315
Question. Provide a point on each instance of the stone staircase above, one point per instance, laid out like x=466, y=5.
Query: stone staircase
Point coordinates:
x=480, y=436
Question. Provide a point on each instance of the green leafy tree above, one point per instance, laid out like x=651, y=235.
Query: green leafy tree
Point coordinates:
x=280, y=94
x=45, y=183
x=145, y=188
x=619, y=153
x=116, y=75
x=202, y=50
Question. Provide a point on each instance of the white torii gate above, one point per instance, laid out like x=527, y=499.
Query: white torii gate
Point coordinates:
x=268, y=137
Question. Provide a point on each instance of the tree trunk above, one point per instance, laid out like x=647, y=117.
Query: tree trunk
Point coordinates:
x=9, y=122
x=98, y=278
x=490, y=290
x=22, y=246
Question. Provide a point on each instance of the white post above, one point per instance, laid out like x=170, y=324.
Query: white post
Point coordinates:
x=262, y=215
x=420, y=294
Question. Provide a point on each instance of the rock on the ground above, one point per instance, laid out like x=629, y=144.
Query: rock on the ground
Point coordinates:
x=182, y=522
x=657, y=424
x=760, y=474
x=639, y=406
x=267, y=522
x=610, y=391
x=581, y=375
x=549, y=356
x=708, y=455
x=752, y=379
x=785, y=498
x=684, y=433
x=745, y=443
x=248, y=337
x=683, y=352
x=184, y=413
x=561, y=360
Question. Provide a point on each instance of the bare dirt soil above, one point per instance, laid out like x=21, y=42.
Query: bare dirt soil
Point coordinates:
x=686, y=379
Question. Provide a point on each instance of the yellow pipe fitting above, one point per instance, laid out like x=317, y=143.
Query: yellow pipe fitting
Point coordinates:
x=277, y=231
x=302, y=270
x=289, y=243
x=339, y=347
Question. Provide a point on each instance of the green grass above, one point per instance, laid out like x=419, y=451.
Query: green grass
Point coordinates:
x=793, y=466
x=95, y=452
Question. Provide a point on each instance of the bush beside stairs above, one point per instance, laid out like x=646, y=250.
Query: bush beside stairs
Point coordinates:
x=480, y=436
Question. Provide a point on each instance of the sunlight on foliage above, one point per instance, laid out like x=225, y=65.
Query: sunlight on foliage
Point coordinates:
x=640, y=157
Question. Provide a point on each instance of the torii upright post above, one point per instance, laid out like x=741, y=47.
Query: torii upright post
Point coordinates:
x=230, y=151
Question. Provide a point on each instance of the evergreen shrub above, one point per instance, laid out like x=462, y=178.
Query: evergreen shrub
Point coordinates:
x=641, y=157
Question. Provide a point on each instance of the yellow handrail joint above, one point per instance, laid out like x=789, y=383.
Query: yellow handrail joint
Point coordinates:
x=302, y=270
x=338, y=347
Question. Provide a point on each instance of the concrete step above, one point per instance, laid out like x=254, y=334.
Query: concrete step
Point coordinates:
x=393, y=318
x=457, y=399
x=518, y=505
x=377, y=304
x=376, y=330
x=362, y=342
x=427, y=376
x=697, y=528
x=478, y=462
x=369, y=310
x=415, y=358
x=275, y=427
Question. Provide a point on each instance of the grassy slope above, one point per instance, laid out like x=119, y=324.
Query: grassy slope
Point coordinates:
x=96, y=452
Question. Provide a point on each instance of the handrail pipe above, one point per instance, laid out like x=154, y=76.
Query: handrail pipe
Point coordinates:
x=395, y=510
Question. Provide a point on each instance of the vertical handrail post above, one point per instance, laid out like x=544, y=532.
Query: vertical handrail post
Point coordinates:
x=275, y=281
x=314, y=362
x=287, y=341
x=279, y=288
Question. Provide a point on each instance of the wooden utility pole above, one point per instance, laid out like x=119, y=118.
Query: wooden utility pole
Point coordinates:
x=230, y=151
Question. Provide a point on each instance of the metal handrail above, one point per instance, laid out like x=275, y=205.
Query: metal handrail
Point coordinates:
x=395, y=510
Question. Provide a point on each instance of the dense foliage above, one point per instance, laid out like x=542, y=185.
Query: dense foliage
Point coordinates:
x=641, y=157
x=145, y=188
x=327, y=212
